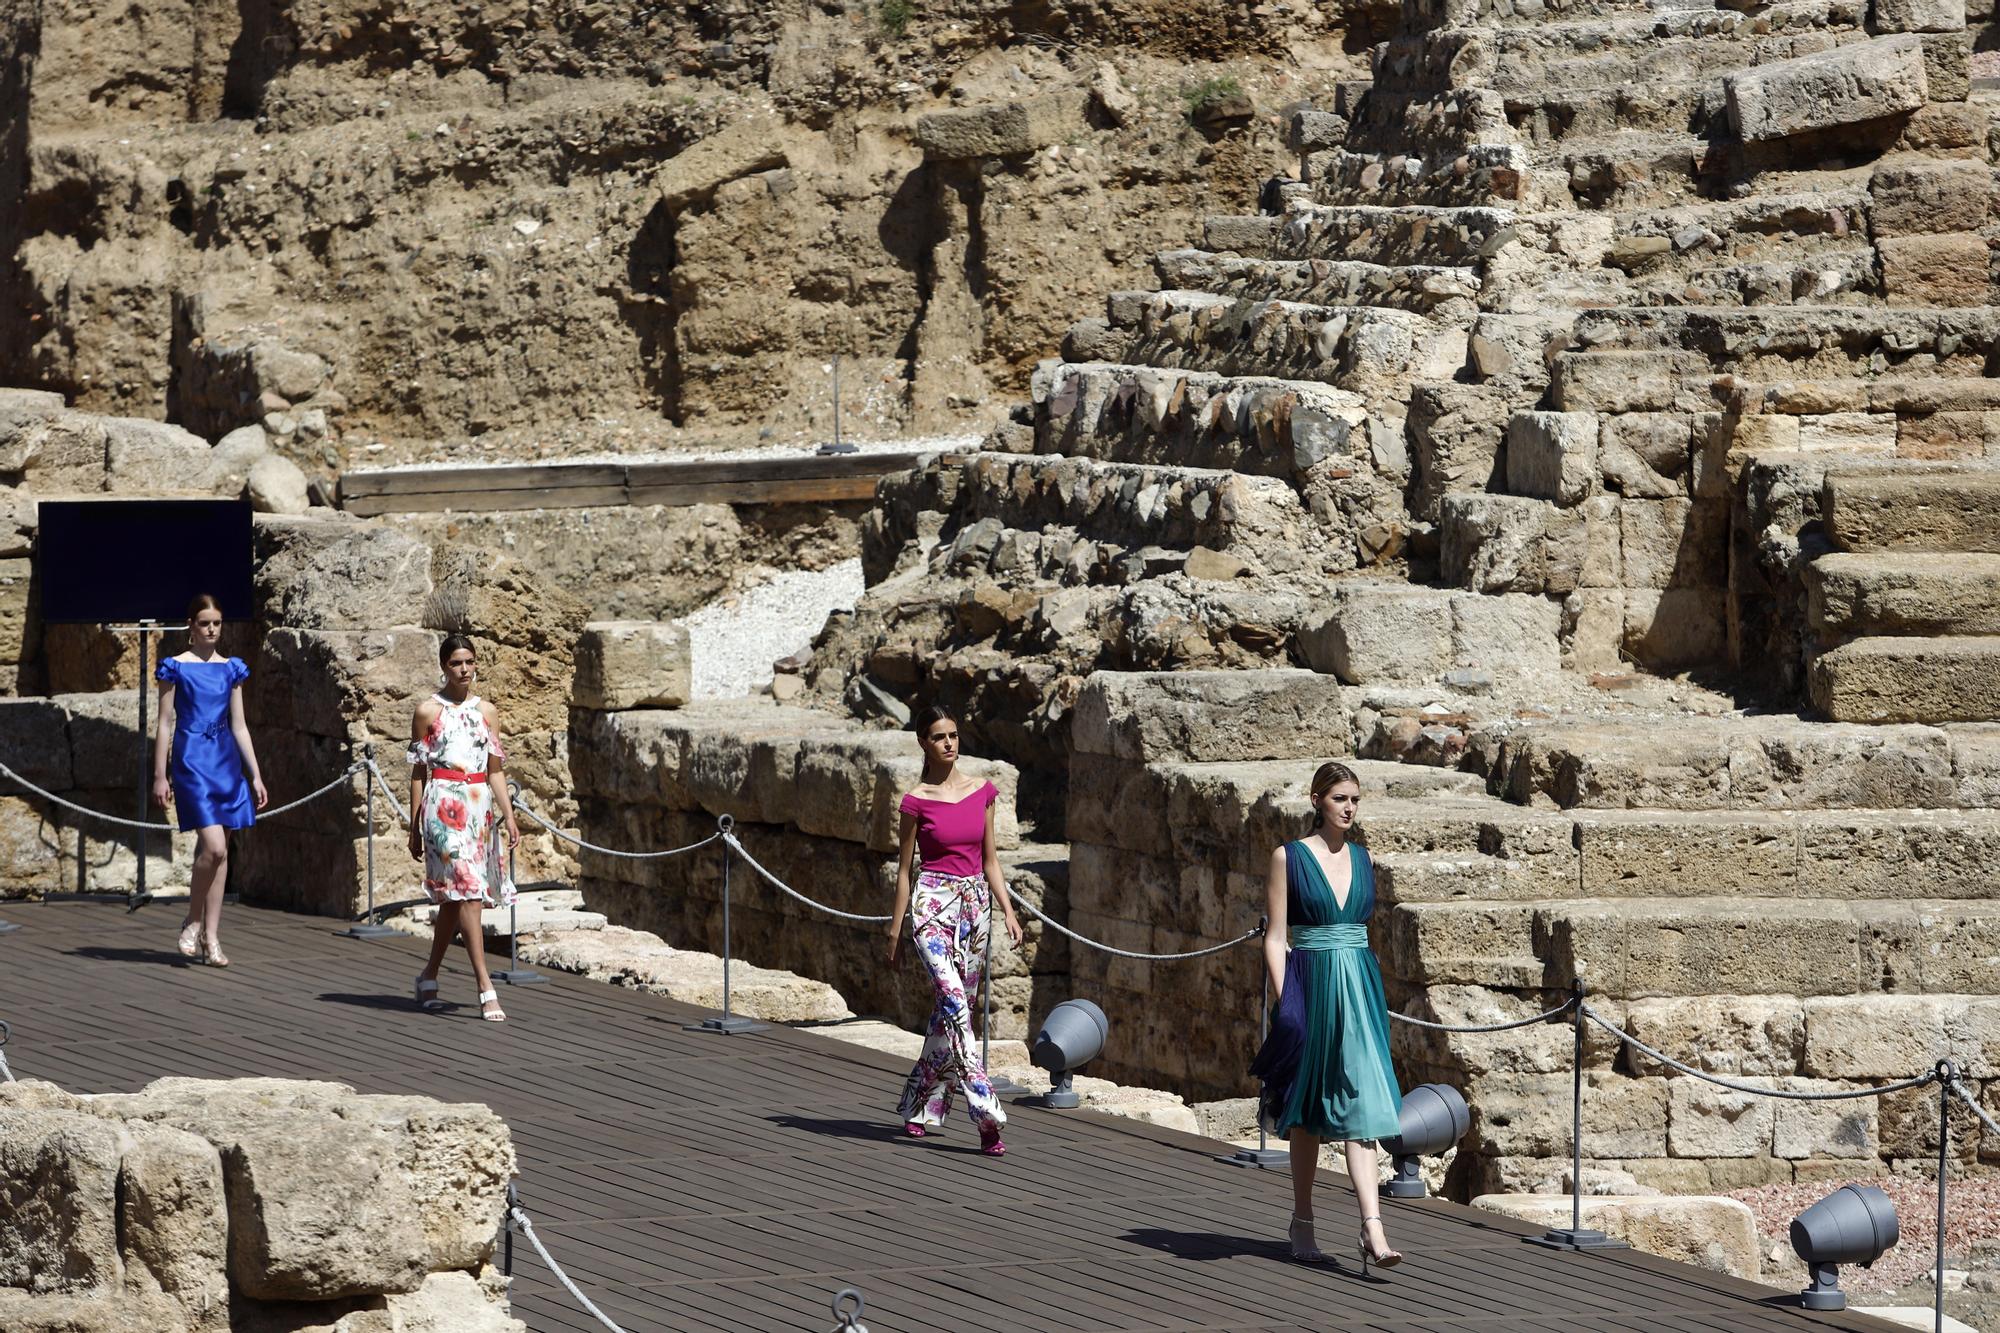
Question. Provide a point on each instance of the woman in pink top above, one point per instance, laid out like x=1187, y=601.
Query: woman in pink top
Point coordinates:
x=948, y=819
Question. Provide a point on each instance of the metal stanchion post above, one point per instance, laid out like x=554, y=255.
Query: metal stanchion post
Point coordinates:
x=1947, y=1071
x=1576, y=1236
x=368, y=928
x=729, y=1024
x=514, y=974
x=139, y=897
x=507, y=1231
x=1263, y=1155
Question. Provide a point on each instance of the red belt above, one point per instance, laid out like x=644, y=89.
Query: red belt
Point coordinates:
x=453, y=775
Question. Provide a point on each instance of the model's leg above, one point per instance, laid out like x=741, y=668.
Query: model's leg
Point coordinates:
x=1364, y=1170
x=444, y=927
x=968, y=957
x=211, y=863
x=1305, y=1163
x=921, y=1101
x=471, y=917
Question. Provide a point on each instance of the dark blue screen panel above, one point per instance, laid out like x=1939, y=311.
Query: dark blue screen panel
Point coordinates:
x=119, y=561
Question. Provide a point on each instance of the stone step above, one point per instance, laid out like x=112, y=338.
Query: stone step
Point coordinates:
x=1249, y=424
x=1889, y=680
x=1549, y=118
x=1939, y=507
x=1806, y=342
x=1419, y=14
x=1903, y=593
x=1915, y=396
x=1730, y=762
x=1354, y=347
x=1422, y=288
x=1006, y=500
x=1475, y=176
x=1637, y=948
x=1452, y=237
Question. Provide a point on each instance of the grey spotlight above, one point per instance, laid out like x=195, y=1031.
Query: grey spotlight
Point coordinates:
x=1856, y=1224
x=1071, y=1037
x=1434, y=1118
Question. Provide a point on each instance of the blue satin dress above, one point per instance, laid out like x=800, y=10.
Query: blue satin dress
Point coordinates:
x=1325, y=1064
x=207, y=768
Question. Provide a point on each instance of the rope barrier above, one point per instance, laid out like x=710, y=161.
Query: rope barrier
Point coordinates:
x=1992, y=1127
x=1509, y=1026
x=528, y=1230
x=1250, y=934
x=388, y=793
x=5, y=1032
x=729, y=839
x=101, y=817
x=1883, y=1091
x=848, y=1307
x=572, y=839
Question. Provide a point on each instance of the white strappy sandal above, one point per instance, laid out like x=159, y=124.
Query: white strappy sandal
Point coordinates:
x=487, y=997
x=427, y=994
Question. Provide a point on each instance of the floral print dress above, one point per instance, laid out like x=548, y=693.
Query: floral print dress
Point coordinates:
x=462, y=857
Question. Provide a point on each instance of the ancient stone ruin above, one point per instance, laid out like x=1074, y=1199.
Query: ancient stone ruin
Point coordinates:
x=200, y=1205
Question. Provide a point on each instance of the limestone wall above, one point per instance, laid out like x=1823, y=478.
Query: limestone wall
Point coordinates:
x=814, y=796
x=198, y=1206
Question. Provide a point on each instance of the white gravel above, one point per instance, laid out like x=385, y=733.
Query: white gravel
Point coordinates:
x=915, y=444
x=734, y=640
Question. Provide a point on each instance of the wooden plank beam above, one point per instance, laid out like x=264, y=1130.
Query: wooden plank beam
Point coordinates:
x=488, y=501
x=501, y=476
x=799, y=490
x=778, y=467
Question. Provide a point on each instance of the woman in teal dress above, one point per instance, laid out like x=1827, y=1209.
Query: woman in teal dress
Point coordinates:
x=1325, y=1064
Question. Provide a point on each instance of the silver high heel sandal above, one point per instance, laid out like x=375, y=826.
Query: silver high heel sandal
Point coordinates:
x=1387, y=1260
x=1304, y=1249
x=190, y=940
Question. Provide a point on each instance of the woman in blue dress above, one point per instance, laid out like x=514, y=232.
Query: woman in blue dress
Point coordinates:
x=1325, y=1063
x=202, y=731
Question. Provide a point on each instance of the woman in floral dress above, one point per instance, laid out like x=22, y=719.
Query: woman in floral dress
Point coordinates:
x=458, y=792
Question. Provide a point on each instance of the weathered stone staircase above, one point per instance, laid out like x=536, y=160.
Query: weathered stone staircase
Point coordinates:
x=1593, y=344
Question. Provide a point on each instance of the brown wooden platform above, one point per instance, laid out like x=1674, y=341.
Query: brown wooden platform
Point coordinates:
x=692, y=1181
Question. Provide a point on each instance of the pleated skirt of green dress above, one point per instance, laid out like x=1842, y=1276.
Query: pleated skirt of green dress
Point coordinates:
x=1346, y=1085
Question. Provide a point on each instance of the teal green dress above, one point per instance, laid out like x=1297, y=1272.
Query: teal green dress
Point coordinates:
x=1325, y=1064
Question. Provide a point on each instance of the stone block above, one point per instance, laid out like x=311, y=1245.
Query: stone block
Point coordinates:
x=333, y=572
x=58, y=1202
x=1918, y=15
x=1869, y=854
x=449, y=1303
x=1529, y=1115
x=1593, y=636
x=1210, y=716
x=34, y=740
x=1651, y=853
x=1862, y=81
x=1939, y=508
x=1915, y=196
x=61, y=454
x=1948, y=269
x=1895, y=592
x=1509, y=633
x=1704, y=1120
x=1861, y=434
x=1975, y=761
x=174, y=1215
x=1674, y=543
x=456, y=1160
x=1625, y=381
x=1552, y=455
x=1647, y=455
x=37, y=854
x=1890, y=1037
x=741, y=148
x=276, y=485
x=1948, y=435
x=1007, y=129
x=344, y=683
x=1722, y=1034
x=1717, y=1234
x=1849, y=1128
x=105, y=747
x=153, y=458
x=1114, y=803
x=1380, y=631
x=623, y=664
x=1676, y=628
x=1508, y=543
x=1640, y=948
x=1880, y=680
x=1948, y=65
x=20, y=618
x=849, y=787
x=18, y=520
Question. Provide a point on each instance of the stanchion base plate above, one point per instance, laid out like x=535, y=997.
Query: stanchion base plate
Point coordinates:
x=1007, y=1087
x=510, y=976
x=1582, y=1238
x=367, y=930
x=9, y=927
x=1264, y=1159
x=135, y=901
x=728, y=1027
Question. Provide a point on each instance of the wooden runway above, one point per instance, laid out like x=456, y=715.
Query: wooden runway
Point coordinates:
x=690, y=1181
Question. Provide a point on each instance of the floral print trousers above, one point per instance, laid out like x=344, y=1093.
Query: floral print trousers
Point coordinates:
x=948, y=920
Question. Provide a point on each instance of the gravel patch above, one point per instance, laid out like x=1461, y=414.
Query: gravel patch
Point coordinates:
x=1971, y=1233
x=914, y=444
x=734, y=641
